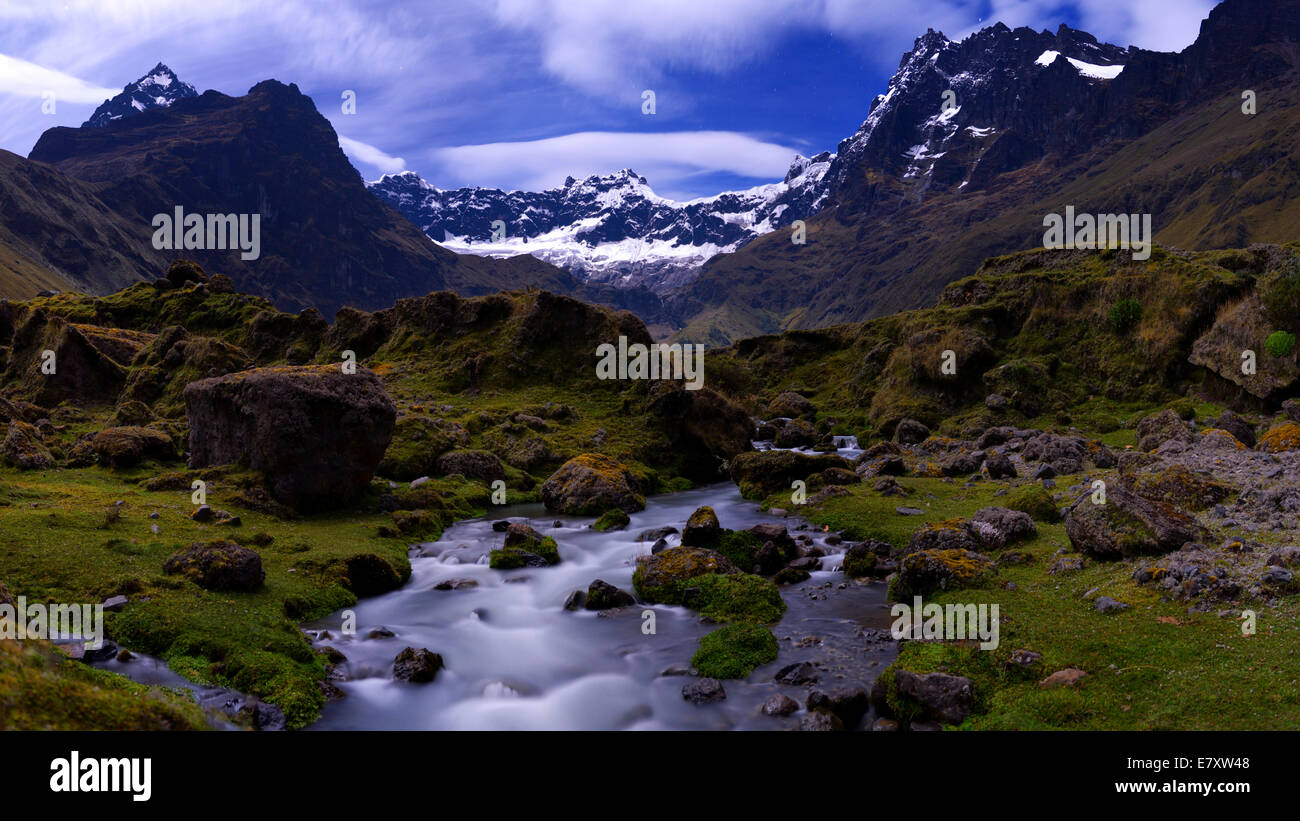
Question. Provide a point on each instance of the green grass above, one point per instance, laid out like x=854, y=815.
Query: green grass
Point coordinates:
x=1151, y=667
x=42, y=689
x=60, y=545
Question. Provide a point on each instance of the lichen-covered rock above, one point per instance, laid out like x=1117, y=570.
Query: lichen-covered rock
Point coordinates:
x=1279, y=438
x=762, y=473
x=1128, y=525
x=1066, y=454
x=1181, y=487
x=702, y=528
x=928, y=570
x=663, y=577
x=130, y=445
x=949, y=534
x=1158, y=428
x=24, y=449
x=219, y=566
x=316, y=433
x=590, y=484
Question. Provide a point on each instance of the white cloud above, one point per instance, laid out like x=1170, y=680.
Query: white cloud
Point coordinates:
x=666, y=160
x=611, y=47
x=369, y=155
x=25, y=79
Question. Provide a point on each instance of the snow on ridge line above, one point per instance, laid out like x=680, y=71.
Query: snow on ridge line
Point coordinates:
x=1092, y=70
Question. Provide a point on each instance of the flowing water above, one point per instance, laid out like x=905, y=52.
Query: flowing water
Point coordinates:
x=516, y=659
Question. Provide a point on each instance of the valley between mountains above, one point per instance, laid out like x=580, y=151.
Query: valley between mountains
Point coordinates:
x=372, y=478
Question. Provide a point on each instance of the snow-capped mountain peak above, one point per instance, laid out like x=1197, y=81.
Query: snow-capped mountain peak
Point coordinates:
x=607, y=227
x=157, y=89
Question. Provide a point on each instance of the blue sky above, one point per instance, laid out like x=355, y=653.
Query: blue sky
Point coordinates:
x=521, y=93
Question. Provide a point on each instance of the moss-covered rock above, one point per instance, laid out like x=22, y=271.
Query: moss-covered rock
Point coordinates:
x=524, y=547
x=790, y=405
x=1035, y=501
x=734, y=651
x=590, y=484
x=929, y=570
x=417, y=443
x=614, y=519
x=742, y=548
x=1128, y=525
x=219, y=565
x=128, y=446
x=762, y=473
x=859, y=561
x=738, y=597
x=663, y=577
x=702, y=528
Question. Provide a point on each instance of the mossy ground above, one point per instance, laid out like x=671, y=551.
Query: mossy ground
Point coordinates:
x=1154, y=666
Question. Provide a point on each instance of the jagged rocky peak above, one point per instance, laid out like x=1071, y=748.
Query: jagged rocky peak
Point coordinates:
x=954, y=99
x=157, y=89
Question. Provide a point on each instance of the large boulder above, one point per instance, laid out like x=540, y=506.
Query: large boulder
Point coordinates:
x=316, y=433
x=590, y=484
x=665, y=576
x=1128, y=525
x=763, y=473
x=219, y=566
x=129, y=445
